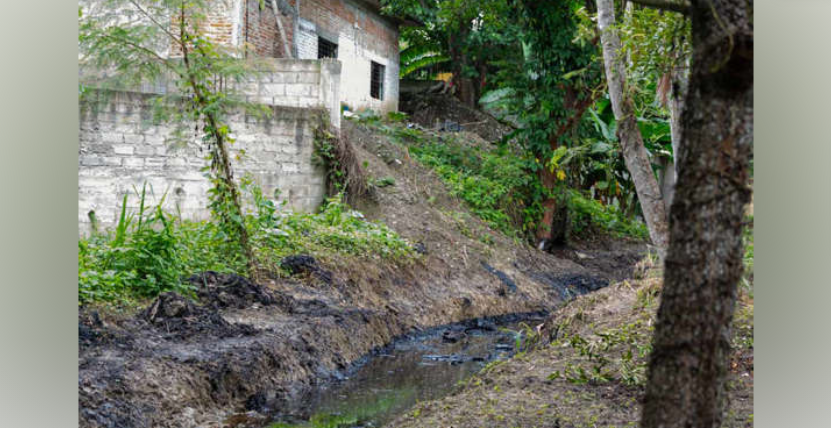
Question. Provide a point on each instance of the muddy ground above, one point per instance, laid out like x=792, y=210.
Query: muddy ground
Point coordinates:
x=242, y=351
x=542, y=388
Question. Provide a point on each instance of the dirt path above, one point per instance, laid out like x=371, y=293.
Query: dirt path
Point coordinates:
x=244, y=350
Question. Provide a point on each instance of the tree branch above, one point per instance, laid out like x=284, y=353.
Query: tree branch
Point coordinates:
x=680, y=7
x=154, y=21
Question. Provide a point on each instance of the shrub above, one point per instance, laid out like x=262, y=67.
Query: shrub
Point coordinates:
x=590, y=217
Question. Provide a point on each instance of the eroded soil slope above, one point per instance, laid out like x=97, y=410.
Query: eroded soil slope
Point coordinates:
x=243, y=350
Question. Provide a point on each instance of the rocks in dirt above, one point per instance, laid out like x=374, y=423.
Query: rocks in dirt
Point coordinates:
x=248, y=419
x=306, y=264
x=169, y=305
x=426, y=109
x=450, y=126
x=258, y=402
x=481, y=325
x=420, y=248
x=509, y=283
x=89, y=325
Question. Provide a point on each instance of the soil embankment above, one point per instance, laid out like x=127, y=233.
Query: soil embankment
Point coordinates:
x=588, y=370
x=242, y=351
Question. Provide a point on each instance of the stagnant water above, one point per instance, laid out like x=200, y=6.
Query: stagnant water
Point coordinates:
x=420, y=368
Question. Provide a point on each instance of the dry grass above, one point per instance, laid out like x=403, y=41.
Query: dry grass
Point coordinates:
x=541, y=388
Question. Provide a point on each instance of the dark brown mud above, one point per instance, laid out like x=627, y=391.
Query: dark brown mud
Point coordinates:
x=239, y=352
x=242, y=348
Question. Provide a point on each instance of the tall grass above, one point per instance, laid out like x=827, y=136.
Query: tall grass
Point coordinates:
x=151, y=251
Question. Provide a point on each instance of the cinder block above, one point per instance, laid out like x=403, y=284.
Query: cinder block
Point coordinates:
x=133, y=163
x=154, y=162
x=121, y=149
x=298, y=89
x=145, y=150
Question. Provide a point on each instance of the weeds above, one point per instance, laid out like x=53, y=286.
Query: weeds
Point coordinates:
x=152, y=251
x=617, y=354
x=589, y=217
x=500, y=186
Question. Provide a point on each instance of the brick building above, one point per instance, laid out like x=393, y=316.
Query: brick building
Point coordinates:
x=342, y=52
x=352, y=31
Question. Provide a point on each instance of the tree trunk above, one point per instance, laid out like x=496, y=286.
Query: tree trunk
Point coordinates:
x=676, y=106
x=459, y=59
x=634, y=152
x=283, y=39
x=691, y=346
x=552, y=229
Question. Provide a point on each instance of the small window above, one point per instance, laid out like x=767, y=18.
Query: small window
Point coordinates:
x=326, y=49
x=376, y=86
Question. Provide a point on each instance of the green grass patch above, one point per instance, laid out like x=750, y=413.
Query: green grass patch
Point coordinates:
x=151, y=251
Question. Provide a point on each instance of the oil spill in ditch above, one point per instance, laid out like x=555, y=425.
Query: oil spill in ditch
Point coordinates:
x=420, y=368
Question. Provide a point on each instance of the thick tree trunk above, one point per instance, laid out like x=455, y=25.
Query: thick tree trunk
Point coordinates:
x=634, y=151
x=689, y=363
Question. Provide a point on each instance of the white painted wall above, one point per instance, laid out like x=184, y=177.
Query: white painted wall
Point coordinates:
x=356, y=59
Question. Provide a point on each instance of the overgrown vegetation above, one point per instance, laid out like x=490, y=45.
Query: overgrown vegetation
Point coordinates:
x=126, y=54
x=153, y=251
x=618, y=354
x=539, y=67
x=498, y=184
x=334, y=153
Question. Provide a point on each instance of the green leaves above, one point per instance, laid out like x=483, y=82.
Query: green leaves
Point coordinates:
x=136, y=262
x=495, y=184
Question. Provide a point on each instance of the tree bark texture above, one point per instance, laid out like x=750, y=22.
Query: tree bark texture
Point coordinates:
x=676, y=107
x=634, y=151
x=691, y=347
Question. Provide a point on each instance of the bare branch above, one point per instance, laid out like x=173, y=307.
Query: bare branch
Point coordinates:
x=158, y=24
x=679, y=7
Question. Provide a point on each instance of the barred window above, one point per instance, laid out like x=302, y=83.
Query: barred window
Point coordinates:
x=376, y=86
x=326, y=49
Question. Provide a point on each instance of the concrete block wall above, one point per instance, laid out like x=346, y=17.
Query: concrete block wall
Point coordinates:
x=297, y=83
x=121, y=149
x=278, y=82
x=363, y=36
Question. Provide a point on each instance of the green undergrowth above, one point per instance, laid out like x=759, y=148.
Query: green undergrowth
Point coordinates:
x=589, y=217
x=152, y=251
x=619, y=351
x=499, y=184
x=356, y=413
